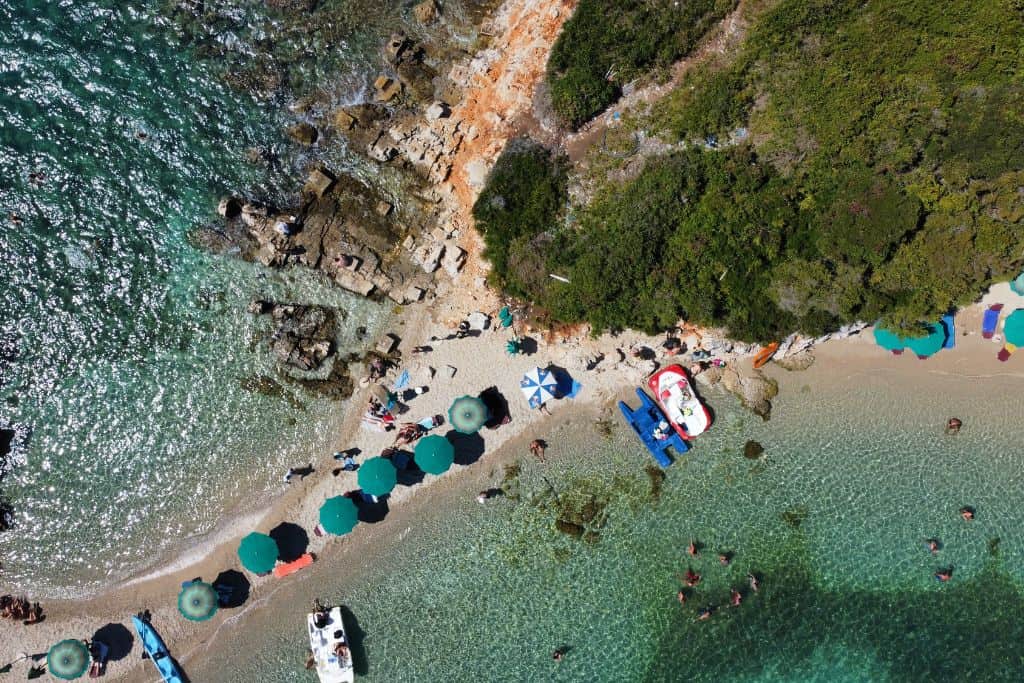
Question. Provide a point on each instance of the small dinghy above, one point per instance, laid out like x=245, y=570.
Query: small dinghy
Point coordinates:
x=672, y=388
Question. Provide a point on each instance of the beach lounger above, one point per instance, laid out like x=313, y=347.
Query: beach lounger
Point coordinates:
x=991, y=319
x=283, y=570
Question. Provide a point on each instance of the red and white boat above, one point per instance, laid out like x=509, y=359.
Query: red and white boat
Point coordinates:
x=674, y=393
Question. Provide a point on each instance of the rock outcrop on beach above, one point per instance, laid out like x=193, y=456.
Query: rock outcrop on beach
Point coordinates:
x=754, y=389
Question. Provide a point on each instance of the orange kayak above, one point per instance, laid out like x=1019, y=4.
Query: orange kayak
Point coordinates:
x=283, y=570
x=765, y=354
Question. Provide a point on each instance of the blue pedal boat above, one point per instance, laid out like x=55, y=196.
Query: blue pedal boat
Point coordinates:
x=645, y=421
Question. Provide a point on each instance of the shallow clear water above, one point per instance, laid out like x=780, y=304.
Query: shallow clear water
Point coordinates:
x=122, y=347
x=855, y=475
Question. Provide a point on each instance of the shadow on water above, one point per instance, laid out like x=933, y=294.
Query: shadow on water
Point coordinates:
x=117, y=638
x=969, y=630
x=234, y=585
x=292, y=540
x=356, y=637
x=468, y=447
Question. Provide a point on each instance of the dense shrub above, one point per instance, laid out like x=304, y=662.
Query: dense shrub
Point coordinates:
x=608, y=42
x=694, y=236
x=524, y=194
x=890, y=144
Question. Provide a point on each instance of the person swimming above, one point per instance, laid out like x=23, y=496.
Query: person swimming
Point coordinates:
x=944, y=575
x=704, y=613
x=735, y=597
x=967, y=513
x=933, y=545
x=692, y=549
x=681, y=597
x=692, y=577
x=755, y=583
x=724, y=559
x=953, y=425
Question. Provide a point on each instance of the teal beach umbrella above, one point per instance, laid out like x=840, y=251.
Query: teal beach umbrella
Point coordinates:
x=434, y=454
x=930, y=343
x=377, y=476
x=338, y=515
x=890, y=341
x=1017, y=285
x=467, y=414
x=1013, y=328
x=68, y=659
x=258, y=553
x=197, y=601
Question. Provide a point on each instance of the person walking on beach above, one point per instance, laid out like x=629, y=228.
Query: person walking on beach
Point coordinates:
x=538, y=447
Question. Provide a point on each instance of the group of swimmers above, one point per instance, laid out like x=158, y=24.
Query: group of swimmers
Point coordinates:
x=691, y=579
x=935, y=545
x=20, y=609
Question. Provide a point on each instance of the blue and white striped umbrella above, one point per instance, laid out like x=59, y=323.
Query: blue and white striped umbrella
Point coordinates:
x=538, y=386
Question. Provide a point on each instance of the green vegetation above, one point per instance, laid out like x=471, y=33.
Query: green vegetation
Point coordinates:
x=905, y=152
x=609, y=42
x=877, y=178
x=524, y=194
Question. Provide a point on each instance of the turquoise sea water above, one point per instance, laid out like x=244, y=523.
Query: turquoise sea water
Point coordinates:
x=122, y=347
x=856, y=474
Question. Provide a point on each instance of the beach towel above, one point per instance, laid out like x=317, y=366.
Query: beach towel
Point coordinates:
x=403, y=380
x=991, y=319
x=947, y=322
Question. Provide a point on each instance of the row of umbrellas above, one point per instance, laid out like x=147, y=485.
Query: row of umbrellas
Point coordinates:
x=935, y=336
x=198, y=601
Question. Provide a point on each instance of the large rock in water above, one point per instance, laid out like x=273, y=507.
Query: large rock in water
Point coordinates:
x=303, y=336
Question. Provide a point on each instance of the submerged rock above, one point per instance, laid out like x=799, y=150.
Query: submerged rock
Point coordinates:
x=303, y=133
x=752, y=450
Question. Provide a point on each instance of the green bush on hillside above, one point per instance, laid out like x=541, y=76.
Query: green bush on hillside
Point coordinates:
x=609, y=42
x=518, y=207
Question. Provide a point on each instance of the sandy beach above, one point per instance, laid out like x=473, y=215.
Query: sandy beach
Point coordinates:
x=480, y=362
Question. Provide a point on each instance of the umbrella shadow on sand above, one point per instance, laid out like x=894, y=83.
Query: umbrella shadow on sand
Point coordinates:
x=468, y=447
x=497, y=407
x=117, y=638
x=355, y=636
x=234, y=585
x=292, y=541
x=370, y=512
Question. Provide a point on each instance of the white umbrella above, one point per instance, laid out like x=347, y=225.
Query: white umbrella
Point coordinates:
x=538, y=386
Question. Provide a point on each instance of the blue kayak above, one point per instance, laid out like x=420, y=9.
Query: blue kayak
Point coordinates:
x=649, y=423
x=157, y=651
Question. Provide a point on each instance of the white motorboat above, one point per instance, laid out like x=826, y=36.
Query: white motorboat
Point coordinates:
x=326, y=633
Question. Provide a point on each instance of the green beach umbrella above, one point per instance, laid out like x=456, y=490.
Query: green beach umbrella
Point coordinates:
x=434, y=454
x=68, y=659
x=338, y=515
x=930, y=343
x=890, y=341
x=467, y=414
x=258, y=553
x=197, y=601
x=377, y=476
x=1013, y=328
